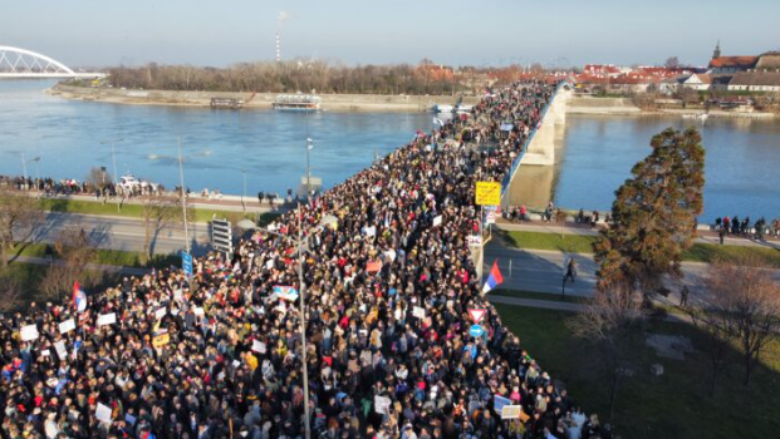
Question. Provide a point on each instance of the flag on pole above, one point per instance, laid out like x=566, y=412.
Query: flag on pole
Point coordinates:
x=494, y=278
x=79, y=298
x=437, y=121
x=309, y=143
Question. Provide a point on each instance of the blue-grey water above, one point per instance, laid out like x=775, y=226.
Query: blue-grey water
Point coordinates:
x=221, y=146
x=218, y=145
x=742, y=162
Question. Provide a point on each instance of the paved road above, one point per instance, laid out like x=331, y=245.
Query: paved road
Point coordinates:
x=542, y=270
x=120, y=233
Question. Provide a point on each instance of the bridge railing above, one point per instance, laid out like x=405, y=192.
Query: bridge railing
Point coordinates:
x=516, y=163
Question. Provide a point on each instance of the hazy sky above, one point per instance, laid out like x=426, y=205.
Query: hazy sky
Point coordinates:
x=457, y=32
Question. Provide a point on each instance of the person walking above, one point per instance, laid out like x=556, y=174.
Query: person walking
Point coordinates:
x=684, y=295
x=571, y=270
x=722, y=234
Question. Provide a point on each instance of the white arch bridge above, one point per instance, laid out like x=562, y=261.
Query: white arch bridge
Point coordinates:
x=21, y=63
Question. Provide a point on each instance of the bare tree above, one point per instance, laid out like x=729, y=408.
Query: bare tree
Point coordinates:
x=672, y=62
x=19, y=215
x=742, y=302
x=10, y=293
x=613, y=322
x=73, y=252
x=98, y=178
x=157, y=213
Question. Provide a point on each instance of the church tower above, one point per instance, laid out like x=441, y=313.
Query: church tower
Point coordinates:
x=716, y=53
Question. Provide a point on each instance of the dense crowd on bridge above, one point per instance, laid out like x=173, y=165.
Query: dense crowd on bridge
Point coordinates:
x=388, y=289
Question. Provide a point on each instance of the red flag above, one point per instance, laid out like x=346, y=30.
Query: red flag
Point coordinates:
x=75, y=292
x=496, y=273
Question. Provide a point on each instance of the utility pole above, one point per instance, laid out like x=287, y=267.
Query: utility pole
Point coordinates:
x=303, y=324
x=24, y=167
x=309, y=146
x=116, y=174
x=183, y=198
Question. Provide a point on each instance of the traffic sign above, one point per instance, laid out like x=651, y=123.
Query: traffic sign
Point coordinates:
x=477, y=314
x=476, y=331
x=186, y=263
x=488, y=193
x=222, y=236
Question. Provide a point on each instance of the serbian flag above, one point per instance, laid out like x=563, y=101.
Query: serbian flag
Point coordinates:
x=79, y=298
x=494, y=278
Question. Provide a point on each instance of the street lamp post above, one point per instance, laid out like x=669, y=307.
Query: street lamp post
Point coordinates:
x=24, y=167
x=183, y=199
x=309, y=146
x=113, y=143
x=327, y=220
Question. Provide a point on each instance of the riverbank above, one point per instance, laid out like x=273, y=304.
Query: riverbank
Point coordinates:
x=625, y=107
x=263, y=101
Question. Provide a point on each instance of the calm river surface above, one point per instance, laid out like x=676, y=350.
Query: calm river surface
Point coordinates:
x=742, y=163
x=597, y=152
x=218, y=145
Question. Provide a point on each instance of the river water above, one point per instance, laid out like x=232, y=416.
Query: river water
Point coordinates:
x=742, y=168
x=595, y=154
x=219, y=146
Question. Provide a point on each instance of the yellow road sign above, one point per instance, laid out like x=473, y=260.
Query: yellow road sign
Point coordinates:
x=488, y=193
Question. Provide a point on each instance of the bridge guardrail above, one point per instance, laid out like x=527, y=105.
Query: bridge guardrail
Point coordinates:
x=516, y=163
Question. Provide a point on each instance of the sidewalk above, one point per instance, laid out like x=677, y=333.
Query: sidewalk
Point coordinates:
x=569, y=228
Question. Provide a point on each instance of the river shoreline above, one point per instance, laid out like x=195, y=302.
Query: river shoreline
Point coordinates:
x=261, y=101
x=624, y=107
x=363, y=103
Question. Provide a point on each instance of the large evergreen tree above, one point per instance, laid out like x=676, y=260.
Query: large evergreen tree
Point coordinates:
x=654, y=216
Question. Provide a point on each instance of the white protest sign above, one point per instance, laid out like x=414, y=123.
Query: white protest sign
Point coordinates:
x=511, y=411
x=178, y=295
x=474, y=240
x=45, y=353
x=67, y=326
x=29, y=333
x=370, y=231
x=106, y=319
x=418, y=312
x=198, y=311
x=160, y=313
x=381, y=404
x=258, y=346
x=103, y=413
x=490, y=217
x=437, y=221
x=60, y=348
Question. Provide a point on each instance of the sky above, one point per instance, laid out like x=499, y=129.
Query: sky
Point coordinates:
x=94, y=33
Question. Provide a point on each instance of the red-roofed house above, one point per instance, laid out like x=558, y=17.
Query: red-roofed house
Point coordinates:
x=729, y=65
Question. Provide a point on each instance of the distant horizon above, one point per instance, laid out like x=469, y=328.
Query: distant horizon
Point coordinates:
x=80, y=33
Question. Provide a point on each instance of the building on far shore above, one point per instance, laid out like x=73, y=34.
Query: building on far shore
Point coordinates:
x=763, y=81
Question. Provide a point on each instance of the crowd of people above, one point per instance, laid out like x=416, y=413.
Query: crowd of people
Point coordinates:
x=101, y=189
x=388, y=289
x=758, y=230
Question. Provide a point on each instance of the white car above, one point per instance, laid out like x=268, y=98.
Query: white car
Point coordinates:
x=130, y=184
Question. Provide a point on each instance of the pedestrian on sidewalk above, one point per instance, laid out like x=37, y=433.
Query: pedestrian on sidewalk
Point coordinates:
x=684, y=295
x=571, y=270
x=722, y=234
